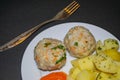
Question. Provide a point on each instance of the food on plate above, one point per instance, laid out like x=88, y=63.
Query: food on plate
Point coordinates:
x=83, y=69
x=86, y=75
x=83, y=75
x=55, y=76
x=74, y=72
x=106, y=76
x=95, y=67
x=84, y=62
x=80, y=42
x=109, y=47
x=114, y=54
x=107, y=44
x=105, y=64
x=50, y=54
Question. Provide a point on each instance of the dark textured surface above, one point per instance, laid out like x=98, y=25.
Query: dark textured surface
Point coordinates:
x=17, y=16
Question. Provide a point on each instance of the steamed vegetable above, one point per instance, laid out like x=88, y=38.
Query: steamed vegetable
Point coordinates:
x=55, y=76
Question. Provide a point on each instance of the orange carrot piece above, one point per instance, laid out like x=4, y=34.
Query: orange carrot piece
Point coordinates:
x=55, y=76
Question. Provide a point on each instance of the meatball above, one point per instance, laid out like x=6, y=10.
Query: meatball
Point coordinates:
x=50, y=54
x=80, y=42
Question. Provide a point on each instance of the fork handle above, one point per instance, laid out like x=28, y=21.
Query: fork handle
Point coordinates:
x=22, y=37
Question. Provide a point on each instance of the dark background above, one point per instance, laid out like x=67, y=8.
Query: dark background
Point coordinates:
x=17, y=16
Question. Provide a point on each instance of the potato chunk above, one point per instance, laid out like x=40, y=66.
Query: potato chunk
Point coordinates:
x=108, y=44
x=105, y=76
x=105, y=63
x=114, y=54
x=83, y=63
x=111, y=44
x=74, y=72
x=86, y=75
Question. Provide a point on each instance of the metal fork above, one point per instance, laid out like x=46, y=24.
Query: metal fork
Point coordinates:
x=63, y=14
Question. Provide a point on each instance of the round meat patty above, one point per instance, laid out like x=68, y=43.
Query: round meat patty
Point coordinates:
x=80, y=42
x=50, y=54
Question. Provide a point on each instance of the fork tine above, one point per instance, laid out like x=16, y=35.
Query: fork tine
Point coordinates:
x=70, y=4
x=72, y=7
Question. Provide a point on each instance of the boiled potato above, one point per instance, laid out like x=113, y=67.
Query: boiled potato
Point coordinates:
x=86, y=75
x=79, y=65
x=83, y=63
x=74, y=72
x=105, y=63
x=105, y=76
x=108, y=44
x=82, y=70
x=111, y=44
x=117, y=75
x=69, y=77
x=114, y=54
x=99, y=47
x=75, y=63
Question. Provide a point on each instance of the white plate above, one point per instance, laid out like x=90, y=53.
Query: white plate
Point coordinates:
x=29, y=68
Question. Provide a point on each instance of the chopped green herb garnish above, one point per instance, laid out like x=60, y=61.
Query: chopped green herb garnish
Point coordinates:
x=100, y=77
x=116, y=42
x=76, y=44
x=104, y=66
x=109, y=77
x=54, y=48
x=113, y=47
x=47, y=44
x=88, y=58
x=59, y=46
x=83, y=61
x=62, y=58
x=99, y=48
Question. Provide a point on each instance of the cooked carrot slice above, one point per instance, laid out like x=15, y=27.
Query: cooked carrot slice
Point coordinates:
x=55, y=76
